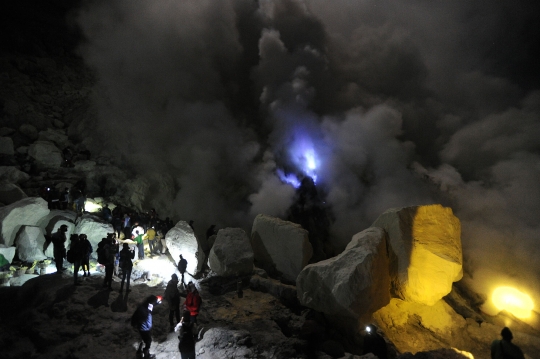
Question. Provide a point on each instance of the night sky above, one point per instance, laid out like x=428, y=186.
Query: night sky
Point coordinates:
x=399, y=103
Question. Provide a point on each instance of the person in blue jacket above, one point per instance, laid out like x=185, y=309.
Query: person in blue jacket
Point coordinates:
x=142, y=321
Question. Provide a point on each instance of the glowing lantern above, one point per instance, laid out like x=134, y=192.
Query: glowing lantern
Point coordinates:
x=513, y=301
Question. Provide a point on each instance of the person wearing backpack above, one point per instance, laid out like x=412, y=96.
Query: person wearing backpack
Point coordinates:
x=58, y=241
x=75, y=256
x=126, y=255
x=186, y=338
x=87, y=252
x=141, y=320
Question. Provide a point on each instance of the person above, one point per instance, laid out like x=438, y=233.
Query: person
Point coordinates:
x=140, y=244
x=77, y=252
x=64, y=199
x=182, y=266
x=193, y=302
x=59, y=249
x=211, y=231
x=374, y=343
x=151, y=236
x=109, y=250
x=127, y=226
x=503, y=349
x=172, y=295
x=142, y=321
x=106, y=212
x=161, y=238
x=186, y=343
x=126, y=255
x=87, y=252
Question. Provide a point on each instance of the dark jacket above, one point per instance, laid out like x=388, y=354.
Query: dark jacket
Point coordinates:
x=87, y=248
x=126, y=256
x=186, y=339
x=142, y=318
x=59, y=240
x=77, y=249
x=110, y=253
x=182, y=265
x=172, y=295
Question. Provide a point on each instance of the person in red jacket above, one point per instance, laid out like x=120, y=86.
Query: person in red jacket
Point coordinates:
x=193, y=302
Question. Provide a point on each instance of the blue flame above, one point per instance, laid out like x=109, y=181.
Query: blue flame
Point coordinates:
x=304, y=157
x=289, y=178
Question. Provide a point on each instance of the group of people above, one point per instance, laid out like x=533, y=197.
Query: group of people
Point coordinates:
x=186, y=324
x=79, y=252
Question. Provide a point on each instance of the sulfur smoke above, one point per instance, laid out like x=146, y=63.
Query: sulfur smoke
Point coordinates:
x=403, y=103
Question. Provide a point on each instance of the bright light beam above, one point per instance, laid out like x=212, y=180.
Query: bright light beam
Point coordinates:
x=513, y=301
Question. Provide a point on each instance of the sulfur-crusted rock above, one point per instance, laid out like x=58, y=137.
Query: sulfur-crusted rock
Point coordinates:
x=181, y=240
x=425, y=255
x=231, y=254
x=7, y=252
x=30, y=241
x=353, y=284
x=280, y=246
x=28, y=211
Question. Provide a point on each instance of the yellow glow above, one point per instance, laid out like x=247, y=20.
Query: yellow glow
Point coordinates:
x=513, y=301
x=91, y=207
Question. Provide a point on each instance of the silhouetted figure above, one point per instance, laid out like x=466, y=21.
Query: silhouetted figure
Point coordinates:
x=182, y=266
x=67, y=154
x=87, y=250
x=142, y=321
x=374, y=343
x=64, y=199
x=172, y=296
x=193, y=302
x=59, y=249
x=211, y=231
x=109, y=250
x=106, y=212
x=126, y=264
x=77, y=254
x=186, y=337
x=505, y=349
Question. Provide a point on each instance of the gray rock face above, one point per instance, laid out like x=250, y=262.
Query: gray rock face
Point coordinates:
x=11, y=174
x=11, y=193
x=425, y=255
x=46, y=154
x=280, y=246
x=231, y=254
x=94, y=227
x=6, y=146
x=7, y=252
x=30, y=241
x=354, y=284
x=28, y=211
x=84, y=166
x=181, y=240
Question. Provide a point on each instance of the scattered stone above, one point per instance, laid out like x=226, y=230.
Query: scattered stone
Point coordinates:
x=284, y=292
x=58, y=124
x=280, y=246
x=22, y=150
x=29, y=131
x=425, y=255
x=6, y=146
x=28, y=211
x=352, y=285
x=6, y=131
x=46, y=154
x=56, y=136
x=231, y=254
x=30, y=242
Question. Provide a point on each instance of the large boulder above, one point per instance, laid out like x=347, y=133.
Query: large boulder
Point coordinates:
x=181, y=240
x=280, y=246
x=231, y=254
x=414, y=327
x=46, y=154
x=95, y=228
x=7, y=252
x=11, y=174
x=29, y=131
x=30, y=242
x=425, y=251
x=58, y=137
x=11, y=193
x=28, y=211
x=52, y=222
x=6, y=146
x=352, y=285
